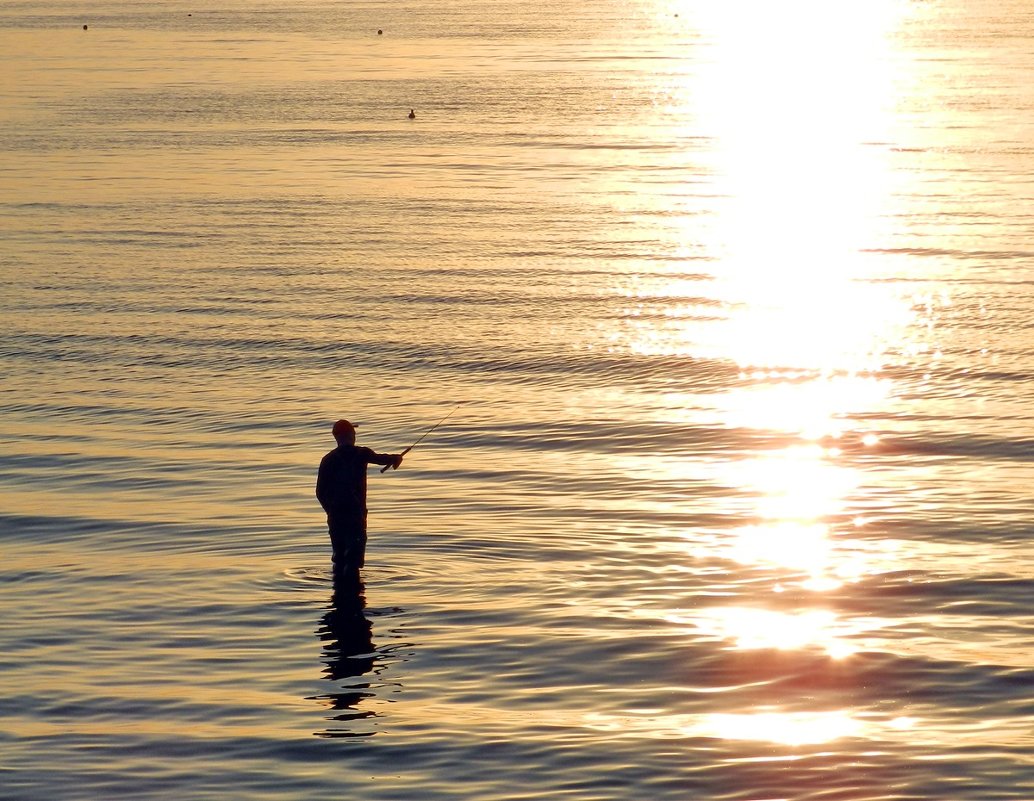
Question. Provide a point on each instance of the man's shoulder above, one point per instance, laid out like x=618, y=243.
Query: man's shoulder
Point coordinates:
x=347, y=452
x=332, y=458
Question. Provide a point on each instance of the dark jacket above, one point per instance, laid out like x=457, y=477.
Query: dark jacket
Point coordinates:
x=341, y=483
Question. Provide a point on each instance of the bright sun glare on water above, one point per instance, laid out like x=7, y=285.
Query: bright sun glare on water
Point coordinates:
x=797, y=103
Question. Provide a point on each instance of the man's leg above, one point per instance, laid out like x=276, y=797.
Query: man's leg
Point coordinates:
x=348, y=538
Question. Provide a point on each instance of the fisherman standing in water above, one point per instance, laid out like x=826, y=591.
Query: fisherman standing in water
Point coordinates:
x=341, y=490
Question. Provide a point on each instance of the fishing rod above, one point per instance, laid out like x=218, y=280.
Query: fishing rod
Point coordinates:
x=432, y=428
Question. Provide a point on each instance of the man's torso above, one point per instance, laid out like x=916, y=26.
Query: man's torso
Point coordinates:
x=342, y=480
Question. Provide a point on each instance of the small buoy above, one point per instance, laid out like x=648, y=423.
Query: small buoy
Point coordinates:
x=412, y=114
x=379, y=32
x=85, y=27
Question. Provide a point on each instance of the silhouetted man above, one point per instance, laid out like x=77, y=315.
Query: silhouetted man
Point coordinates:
x=341, y=490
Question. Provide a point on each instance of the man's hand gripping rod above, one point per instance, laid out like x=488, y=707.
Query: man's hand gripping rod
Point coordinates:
x=432, y=428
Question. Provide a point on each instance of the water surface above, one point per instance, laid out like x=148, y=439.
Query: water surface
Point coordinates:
x=735, y=302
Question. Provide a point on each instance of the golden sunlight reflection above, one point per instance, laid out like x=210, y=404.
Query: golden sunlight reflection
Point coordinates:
x=781, y=324
x=784, y=728
x=797, y=108
x=753, y=628
x=814, y=409
x=797, y=105
x=802, y=547
x=797, y=483
x=795, y=101
x=764, y=724
x=819, y=558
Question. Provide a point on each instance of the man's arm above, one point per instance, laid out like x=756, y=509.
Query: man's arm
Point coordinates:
x=393, y=459
x=322, y=480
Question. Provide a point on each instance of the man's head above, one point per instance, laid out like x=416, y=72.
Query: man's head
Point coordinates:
x=344, y=432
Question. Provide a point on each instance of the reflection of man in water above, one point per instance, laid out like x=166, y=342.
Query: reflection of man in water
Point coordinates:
x=341, y=490
x=348, y=653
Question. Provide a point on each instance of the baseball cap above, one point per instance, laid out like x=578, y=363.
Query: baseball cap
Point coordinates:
x=343, y=428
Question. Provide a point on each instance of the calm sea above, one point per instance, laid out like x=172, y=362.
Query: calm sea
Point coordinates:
x=732, y=301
